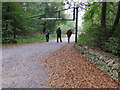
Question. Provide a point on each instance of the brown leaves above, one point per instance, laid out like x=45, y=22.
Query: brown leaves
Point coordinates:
x=68, y=69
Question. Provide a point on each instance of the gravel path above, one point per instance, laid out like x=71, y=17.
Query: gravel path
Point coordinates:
x=20, y=67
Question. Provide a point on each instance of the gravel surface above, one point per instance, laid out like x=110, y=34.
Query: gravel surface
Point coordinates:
x=20, y=67
x=72, y=70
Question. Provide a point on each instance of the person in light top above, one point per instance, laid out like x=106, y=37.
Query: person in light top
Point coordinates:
x=47, y=32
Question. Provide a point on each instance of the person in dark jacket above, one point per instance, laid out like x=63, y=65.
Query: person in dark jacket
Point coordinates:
x=47, y=32
x=69, y=33
x=58, y=32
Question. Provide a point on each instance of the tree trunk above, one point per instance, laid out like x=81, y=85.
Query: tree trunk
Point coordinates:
x=14, y=30
x=117, y=18
x=103, y=16
x=103, y=24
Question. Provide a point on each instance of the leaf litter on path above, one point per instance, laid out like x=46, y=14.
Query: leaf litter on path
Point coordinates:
x=67, y=68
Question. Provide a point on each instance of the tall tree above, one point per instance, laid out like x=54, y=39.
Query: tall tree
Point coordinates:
x=117, y=18
x=103, y=15
x=11, y=11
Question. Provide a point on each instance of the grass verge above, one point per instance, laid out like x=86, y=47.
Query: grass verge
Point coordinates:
x=32, y=39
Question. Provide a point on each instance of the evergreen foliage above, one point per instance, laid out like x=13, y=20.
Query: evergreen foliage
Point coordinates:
x=14, y=16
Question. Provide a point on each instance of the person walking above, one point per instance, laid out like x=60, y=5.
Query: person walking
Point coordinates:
x=47, y=32
x=58, y=32
x=69, y=33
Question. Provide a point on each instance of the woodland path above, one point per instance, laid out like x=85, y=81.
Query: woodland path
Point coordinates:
x=50, y=64
x=20, y=67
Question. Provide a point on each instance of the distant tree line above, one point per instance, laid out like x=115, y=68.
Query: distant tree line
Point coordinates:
x=14, y=14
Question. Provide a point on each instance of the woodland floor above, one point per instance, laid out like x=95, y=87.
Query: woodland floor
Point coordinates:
x=67, y=68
